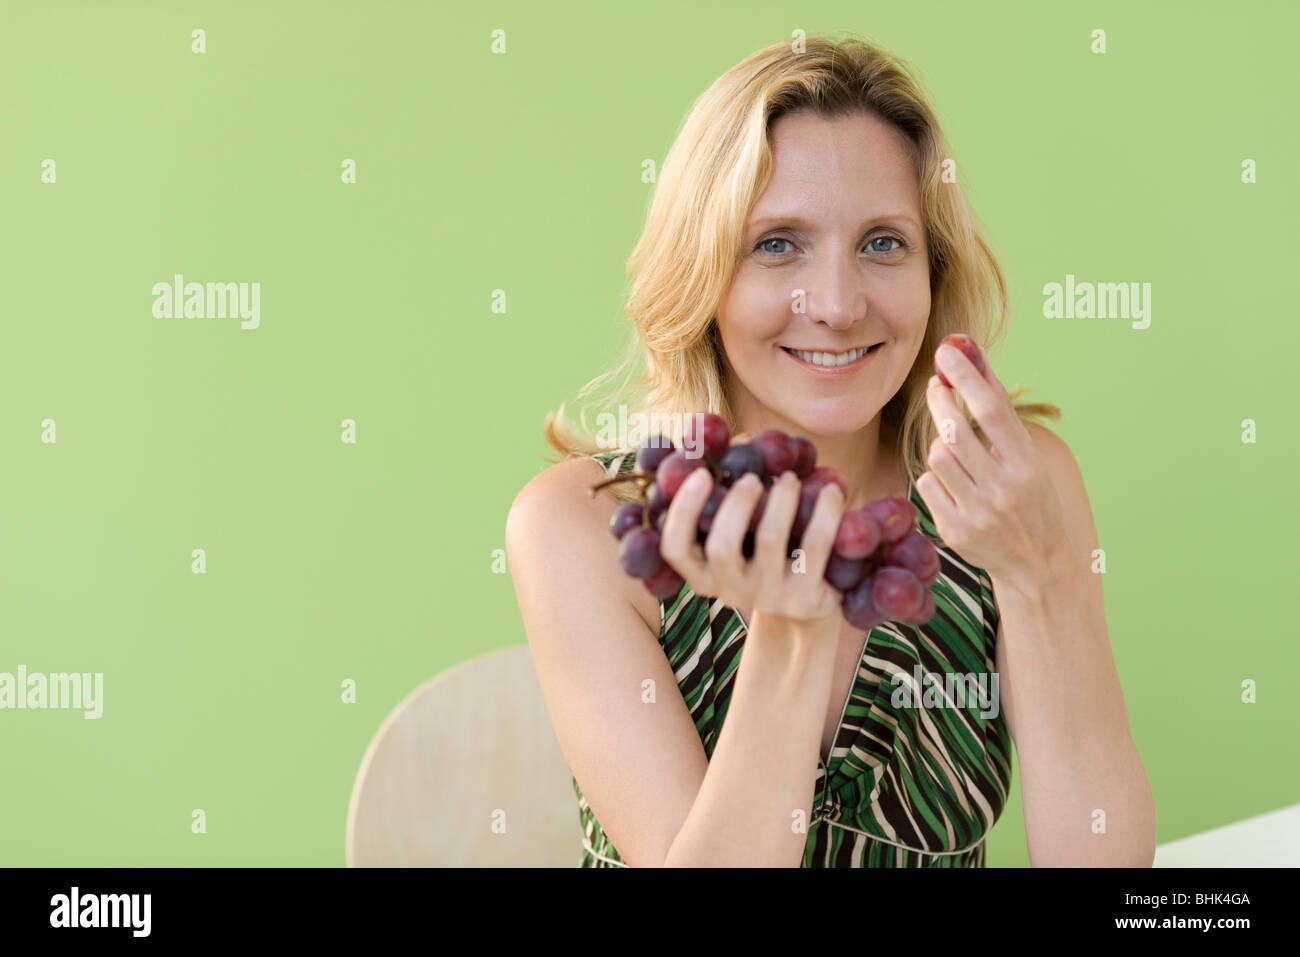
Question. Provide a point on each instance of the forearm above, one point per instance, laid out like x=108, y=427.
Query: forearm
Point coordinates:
x=1087, y=801
x=764, y=761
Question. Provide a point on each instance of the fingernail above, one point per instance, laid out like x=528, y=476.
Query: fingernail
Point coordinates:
x=947, y=356
x=698, y=478
x=788, y=476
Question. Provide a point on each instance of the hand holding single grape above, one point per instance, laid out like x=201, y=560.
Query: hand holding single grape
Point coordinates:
x=990, y=494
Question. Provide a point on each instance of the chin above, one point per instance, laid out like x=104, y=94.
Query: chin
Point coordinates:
x=842, y=416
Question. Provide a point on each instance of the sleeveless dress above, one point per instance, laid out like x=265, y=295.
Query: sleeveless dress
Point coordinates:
x=905, y=786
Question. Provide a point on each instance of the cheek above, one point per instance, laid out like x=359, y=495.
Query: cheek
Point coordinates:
x=907, y=315
x=905, y=303
x=752, y=316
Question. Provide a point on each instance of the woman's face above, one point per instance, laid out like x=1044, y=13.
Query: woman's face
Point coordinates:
x=834, y=260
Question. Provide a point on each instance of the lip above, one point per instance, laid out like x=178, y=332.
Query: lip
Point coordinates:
x=832, y=371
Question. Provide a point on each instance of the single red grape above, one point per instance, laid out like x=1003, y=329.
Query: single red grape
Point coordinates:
x=959, y=340
x=652, y=452
x=674, y=470
x=844, y=573
x=777, y=452
x=926, y=611
x=895, y=516
x=860, y=609
x=638, y=552
x=915, y=552
x=737, y=461
x=805, y=456
x=895, y=591
x=665, y=583
x=655, y=500
x=625, y=518
x=705, y=434
x=858, y=534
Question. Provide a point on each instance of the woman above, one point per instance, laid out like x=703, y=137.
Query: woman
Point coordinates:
x=806, y=213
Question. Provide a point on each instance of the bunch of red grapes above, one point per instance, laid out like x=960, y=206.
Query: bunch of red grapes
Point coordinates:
x=882, y=563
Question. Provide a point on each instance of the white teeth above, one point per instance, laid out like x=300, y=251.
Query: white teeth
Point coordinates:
x=830, y=359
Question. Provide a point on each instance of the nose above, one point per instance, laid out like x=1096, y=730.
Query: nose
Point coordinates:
x=836, y=296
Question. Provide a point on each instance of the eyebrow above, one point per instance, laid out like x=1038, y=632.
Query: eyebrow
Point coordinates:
x=802, y=223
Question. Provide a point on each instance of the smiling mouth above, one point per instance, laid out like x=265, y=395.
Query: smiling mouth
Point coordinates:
x=831, y=360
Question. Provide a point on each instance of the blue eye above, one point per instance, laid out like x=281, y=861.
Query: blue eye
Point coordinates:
x=901, y=244
x=774, y=239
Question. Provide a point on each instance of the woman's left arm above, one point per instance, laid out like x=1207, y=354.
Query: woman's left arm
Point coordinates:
x=1012, y=501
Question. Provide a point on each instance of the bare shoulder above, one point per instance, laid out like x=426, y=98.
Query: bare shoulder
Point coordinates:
x=555, y=522
x=1061, y=464
x=557, y=501
x=1046, y=442
x=564, y=484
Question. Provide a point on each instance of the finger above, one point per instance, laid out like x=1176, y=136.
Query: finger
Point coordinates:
x=773, y=535
x=959, y=486
x=938, y=502
x=723, y=546
x=957, y=437
x=677, y=540
x=819, y=536
x=987, y=401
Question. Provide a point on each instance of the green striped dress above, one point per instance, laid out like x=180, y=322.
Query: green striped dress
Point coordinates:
x=907, y=785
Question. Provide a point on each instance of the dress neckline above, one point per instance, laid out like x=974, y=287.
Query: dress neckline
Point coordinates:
x=822, y=763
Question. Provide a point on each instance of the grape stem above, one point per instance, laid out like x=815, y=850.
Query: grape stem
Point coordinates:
x=643, y=479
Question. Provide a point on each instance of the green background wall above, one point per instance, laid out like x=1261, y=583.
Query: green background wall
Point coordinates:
x=475, y=172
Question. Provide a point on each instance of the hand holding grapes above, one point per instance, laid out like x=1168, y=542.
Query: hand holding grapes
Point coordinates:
x=764, y=583
x=718, y=493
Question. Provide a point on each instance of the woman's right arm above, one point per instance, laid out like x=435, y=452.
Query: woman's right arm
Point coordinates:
x=639, y=760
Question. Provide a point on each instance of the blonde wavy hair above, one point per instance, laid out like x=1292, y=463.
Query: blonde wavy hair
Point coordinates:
x=691, y=246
